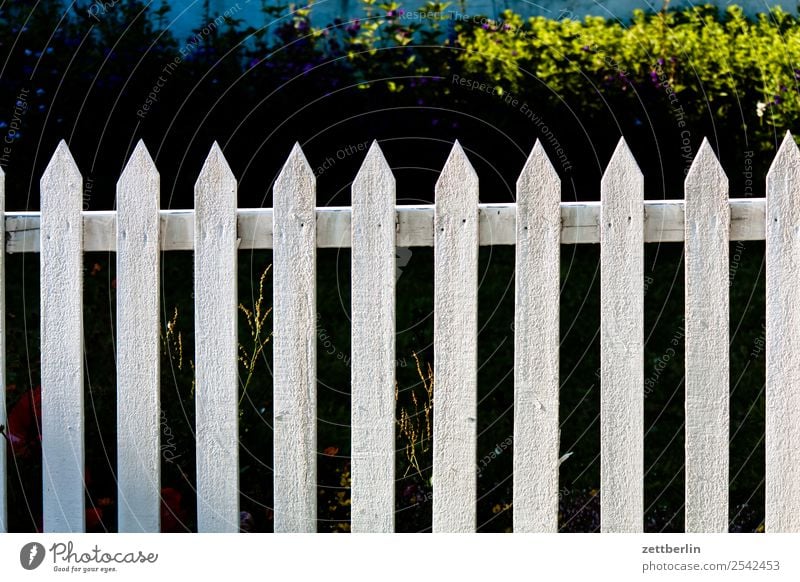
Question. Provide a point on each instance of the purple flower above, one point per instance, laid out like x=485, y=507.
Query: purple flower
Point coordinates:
x=354, y=27
x=660, y=62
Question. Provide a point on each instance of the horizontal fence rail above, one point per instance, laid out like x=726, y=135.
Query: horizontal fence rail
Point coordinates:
x=663, y=222
x=706, y=220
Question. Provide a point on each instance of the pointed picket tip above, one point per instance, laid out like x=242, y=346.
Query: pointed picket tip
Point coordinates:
x=457, y=170
x=139, y=165
x=375, y=157
x=215, y=168
x=787, y=158
x=62, y=170
x=141, y=155
x=216, y=164
x=374, y=160
x=374, y=167
x=622, y=158
x=622, y=168
x=537, y=169
x=705, y=171
x=296, y=167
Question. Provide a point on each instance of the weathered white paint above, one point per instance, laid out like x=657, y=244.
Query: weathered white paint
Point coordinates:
x=373, y=346
x=295, y=346
x=216, y=347
x=455, y=226
x=579, y=225
x=536, y=341
x=62, y=344
x=621, y=344
x=3, y=416
x=782, y=438
x=455, y=346
x=138, y=345
x=707, y=338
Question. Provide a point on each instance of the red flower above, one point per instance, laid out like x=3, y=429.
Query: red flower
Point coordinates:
x=94, y=520
x=24, y=428
x=173, y=516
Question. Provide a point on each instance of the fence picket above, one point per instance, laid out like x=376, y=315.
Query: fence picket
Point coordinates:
x=373, y=346
x=138, y=345
x=537, y=224
x=536, y=341
x=455, y=345
x=3, y=416
x=216, y=346
x=621, y=344
x=782, y=438
x=295, y=346
x=61, y=244
x=707, y=228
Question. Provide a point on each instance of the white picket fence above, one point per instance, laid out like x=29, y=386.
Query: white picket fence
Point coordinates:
x=538, y=224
